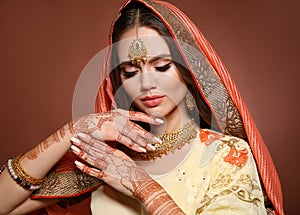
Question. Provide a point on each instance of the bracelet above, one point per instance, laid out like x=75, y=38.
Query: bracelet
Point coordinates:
x=21, y=177
x=19, y=170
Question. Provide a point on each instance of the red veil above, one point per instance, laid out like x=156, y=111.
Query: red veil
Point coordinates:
x=215, y=85
x=211, y=77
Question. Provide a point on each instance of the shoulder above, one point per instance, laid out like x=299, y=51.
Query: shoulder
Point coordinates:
x=231, y=150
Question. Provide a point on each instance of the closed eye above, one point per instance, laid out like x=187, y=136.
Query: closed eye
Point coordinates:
x=163, y=68
x=129, y=74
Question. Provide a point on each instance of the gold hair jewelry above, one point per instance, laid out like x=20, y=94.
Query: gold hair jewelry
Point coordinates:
x=170, y=142
x=137, y=50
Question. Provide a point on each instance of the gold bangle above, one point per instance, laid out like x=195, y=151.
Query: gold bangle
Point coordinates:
x=17, y=176
x=25, y=176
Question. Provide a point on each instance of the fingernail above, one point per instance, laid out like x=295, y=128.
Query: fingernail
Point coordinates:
x=81, y=135
x=151, y=146
x=159, y=120
x=75, y=149
x=156, y=139
x=142, y=149
x=77, y=163
x=75, y=140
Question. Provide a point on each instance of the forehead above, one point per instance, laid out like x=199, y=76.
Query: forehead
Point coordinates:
x=155, y=44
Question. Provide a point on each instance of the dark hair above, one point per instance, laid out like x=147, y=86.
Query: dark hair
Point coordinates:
x=147, y=18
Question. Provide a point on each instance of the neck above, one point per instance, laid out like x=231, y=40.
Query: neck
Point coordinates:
x=173, y=121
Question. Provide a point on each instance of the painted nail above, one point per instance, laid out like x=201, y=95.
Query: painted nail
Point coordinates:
x=151, y=146
x=75, y=140
x=156, y=139
x=159, y=120
x=142, y=149
x=81, y=135
x=75, y=149
x=77, y=163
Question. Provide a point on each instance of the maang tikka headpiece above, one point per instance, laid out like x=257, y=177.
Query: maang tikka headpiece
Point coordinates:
x=137, y=50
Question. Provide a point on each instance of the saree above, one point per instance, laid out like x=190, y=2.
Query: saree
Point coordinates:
x=217, y=88
x=214, y=84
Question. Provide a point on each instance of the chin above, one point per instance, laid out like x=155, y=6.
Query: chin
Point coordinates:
x=160, y=113
x=155, y=111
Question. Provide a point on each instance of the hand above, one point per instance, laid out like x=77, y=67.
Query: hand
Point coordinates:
x=117, y=126
x=111, y=165
x=120, y=172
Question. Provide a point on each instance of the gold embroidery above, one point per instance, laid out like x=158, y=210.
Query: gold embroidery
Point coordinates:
x=67, y=184
x=247, y=180
x=231, y=142
x=206, y=201
x=225, y=182
x=247, y=196
x=222, y=181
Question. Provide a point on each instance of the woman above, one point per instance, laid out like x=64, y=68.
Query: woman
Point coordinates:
x=188, y=62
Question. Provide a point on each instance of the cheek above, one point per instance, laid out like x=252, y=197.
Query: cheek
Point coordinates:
x=174, y=87
x=131, y=87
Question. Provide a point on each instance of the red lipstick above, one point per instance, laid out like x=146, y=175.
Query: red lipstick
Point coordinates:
x=152, y=101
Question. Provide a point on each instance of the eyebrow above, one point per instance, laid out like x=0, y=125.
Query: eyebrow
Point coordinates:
x=156, y=58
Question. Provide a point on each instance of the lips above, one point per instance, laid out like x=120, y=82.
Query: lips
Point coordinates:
x=152, y=101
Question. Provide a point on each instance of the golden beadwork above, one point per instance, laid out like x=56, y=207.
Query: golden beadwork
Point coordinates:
x=137, y=50
x=171, y=141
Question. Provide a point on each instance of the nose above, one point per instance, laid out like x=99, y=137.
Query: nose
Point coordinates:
x=148, y=81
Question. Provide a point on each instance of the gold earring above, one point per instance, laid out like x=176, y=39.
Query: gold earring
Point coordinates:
x=189, y=101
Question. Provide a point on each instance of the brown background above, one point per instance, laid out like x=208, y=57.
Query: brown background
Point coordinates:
x=44, y=45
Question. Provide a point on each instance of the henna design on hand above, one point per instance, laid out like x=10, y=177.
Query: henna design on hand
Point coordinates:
x=117, y=126
x=156, y=200
x=56, y=137
x=120, y=171
x=111, y=165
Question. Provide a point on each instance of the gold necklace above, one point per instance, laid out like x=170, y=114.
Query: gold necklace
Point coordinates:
x=170, y=142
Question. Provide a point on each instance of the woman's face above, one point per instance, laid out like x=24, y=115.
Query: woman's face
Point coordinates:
x=154, y=86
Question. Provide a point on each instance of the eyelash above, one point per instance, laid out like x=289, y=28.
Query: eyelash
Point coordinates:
x=163, y=68
x=129, y=74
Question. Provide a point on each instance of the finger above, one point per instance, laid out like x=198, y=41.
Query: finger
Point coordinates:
x=89, y=170
x=147, y=135
x=80, y=144
x=94, y=143
x=86, y=138
x=139, y=116
x=120, y=138
x=138, y=135
x=99, y=150
x=83, y=155
x=92, y=152
x=133, y=132
x=98, y=161
x=89, y=144
x=92, y=149
x=129, y=143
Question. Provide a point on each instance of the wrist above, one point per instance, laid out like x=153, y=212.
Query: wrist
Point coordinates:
x=146, y=190
x=66, y=133
x=156, y=200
